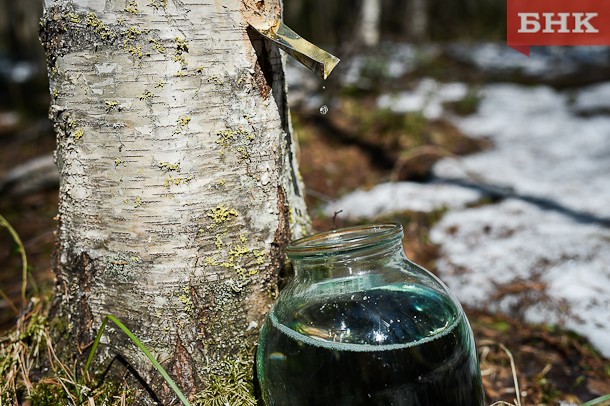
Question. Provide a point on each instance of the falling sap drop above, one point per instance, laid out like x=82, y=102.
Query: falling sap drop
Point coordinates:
x=324, y=109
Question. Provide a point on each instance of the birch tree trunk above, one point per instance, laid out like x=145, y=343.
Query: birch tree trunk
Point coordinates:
x=417, y=17
x=370, y=21
x=179, y=187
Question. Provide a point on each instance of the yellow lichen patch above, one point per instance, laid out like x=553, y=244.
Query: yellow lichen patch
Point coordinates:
x=156, y=44
x=167, y=166
x=221, y=214
x=210, y=261
x=176, y=181
x=180, y=59
x=147, y=95
x=242, y=153
x=218, y=242
x=131, y=6
x=78, y=134
x=158, y=4
x=235, y=140
x=183, y=121
x=133, y=50
x=227, y=137
x=73, y=18
x=239, y=250
x=93, y=20
x=215, y=80
x=184, y=298
x=133, y=32
x=111, y=105
x=181, y=48
x=259, y=255
x=99, y=27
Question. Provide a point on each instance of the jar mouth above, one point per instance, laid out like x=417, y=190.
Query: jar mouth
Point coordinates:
x=344, y=240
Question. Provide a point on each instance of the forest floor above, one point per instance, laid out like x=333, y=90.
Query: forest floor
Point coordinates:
x=356, y=145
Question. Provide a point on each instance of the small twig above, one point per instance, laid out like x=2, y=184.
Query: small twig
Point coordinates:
x=513, y=369
x=335, y=218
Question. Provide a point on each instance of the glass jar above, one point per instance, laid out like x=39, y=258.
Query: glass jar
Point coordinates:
x=360, y=324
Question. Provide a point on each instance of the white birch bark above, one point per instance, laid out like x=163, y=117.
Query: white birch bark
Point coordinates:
x=179, y=188
x=370, y=21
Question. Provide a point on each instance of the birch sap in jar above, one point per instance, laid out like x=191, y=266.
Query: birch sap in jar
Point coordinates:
x=360, y=324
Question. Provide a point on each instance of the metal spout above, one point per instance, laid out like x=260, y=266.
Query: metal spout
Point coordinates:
x=314, y=58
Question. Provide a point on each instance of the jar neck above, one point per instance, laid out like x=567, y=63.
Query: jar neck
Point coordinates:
x=345, y=252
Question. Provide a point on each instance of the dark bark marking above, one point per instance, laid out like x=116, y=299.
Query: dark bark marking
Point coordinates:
x=281, y=238
x=182, y=368
x=263, y=69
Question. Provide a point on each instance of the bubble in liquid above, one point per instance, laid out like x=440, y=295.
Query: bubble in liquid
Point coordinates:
x=324, y=109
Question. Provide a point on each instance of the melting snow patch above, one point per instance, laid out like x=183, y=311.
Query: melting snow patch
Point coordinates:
x=517, y=258
x=428, y=98
x=542, y=150
x=592, y=100
x=544, y=252
x=389, y=198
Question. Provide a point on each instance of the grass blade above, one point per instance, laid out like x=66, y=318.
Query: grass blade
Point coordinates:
x=24, y=260
x=142, y=348
x=597, y=401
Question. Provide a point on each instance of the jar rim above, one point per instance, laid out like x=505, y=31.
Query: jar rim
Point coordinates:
x=344, y=240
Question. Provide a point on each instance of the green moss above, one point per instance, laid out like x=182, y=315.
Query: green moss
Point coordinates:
x=233, y=386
